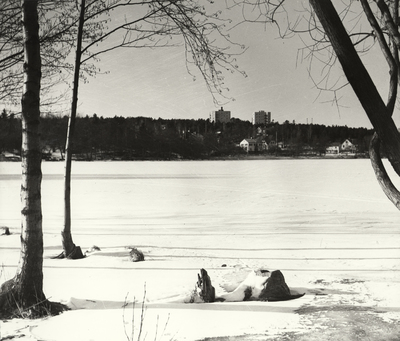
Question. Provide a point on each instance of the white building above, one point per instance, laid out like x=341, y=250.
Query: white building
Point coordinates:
x=249, y=145
x=333, y=148
x=348, y=147
x=253, y=145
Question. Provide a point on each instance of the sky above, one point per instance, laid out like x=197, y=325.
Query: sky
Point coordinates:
x=154, y=82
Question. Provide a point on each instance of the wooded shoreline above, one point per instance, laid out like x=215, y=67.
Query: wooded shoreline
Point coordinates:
x=217, y=158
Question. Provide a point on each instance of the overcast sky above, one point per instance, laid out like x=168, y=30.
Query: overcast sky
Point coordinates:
x=155, y=83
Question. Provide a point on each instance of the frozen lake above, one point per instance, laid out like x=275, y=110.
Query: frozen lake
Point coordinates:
x=274, y=208
x=326, y=224
x=250, y=195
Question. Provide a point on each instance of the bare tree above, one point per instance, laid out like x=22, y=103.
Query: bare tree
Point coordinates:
x=23, y=295
x=378, y=112
x=70, y=250
x=56, y=38
x=11, y=50
x=330, y=41
x=156, y=20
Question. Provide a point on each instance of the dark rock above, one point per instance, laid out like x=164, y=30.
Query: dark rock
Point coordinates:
x=136, y=255
x=276, y=289
x=248, y=292
x=6, y=230
x=207, y=291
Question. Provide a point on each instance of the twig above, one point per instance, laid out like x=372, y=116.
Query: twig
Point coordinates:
x=142, y=313
x=123, y=316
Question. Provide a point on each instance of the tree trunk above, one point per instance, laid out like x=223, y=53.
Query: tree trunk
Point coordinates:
x=360, y=80
x=30, y=271
x=25, y=290
x=69, y=248
x=380, y=172
x=276, y=289
x=207, y=291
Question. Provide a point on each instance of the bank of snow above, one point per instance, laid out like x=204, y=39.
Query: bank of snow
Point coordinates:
x=101, y=288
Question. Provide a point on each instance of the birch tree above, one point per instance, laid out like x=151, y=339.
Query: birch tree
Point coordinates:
x=55, y=37
x=147, y=24
x=23, y=295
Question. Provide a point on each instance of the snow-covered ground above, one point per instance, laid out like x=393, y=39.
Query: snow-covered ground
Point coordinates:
x=325, y=224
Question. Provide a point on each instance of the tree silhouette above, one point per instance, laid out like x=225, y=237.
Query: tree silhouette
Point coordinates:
x=23, y=295
x=157, y=19
x=330, y=42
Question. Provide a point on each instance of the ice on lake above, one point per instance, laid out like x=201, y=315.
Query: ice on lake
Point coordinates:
x=216, y=211
x=217, y=196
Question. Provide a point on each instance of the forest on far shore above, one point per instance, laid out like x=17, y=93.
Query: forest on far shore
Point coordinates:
x=133, y=138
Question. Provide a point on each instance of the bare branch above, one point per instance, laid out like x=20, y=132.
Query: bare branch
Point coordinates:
x=387, y=54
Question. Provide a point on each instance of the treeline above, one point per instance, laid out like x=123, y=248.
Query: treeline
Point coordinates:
x=130, y=138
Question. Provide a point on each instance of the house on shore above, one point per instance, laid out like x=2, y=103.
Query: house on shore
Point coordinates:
x=333, y=149
x=253, y=145
x=346, y=147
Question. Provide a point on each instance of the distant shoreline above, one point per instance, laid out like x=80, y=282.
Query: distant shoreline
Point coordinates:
x=273, y=157
x=221, y=158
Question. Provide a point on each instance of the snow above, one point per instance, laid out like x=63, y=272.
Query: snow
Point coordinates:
x=325, y=224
